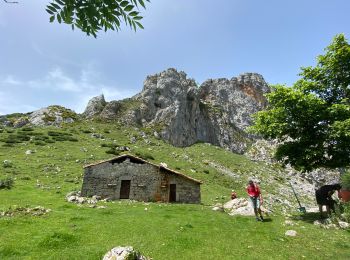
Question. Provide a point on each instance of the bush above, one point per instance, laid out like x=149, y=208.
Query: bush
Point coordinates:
x=56, y=133
x=145, y=156
x=39, y=142
x=113, y=151
x=7, y=145
x=61, y=136
x=110, y=145
x=27, y=129
x=16, y=138
x=6, y=183
x=345, y=180
x=346, y=211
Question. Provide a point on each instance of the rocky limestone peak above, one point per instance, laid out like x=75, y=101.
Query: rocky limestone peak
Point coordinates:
x=216, y=112
x=95, y=106
x=167, y=79
x=239, y=97
x=247, y=86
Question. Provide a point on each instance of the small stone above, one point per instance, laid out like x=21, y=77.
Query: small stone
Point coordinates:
x=96, y=197
x=164, y=165
x=218, y=208
x=289, y=223
x=343, y=224
x=291, y=233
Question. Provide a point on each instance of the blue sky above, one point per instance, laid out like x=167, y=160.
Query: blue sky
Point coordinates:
x=43, y=64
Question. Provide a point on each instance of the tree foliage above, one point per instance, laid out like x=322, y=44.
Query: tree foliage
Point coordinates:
x=92, y=16
x=312, y=118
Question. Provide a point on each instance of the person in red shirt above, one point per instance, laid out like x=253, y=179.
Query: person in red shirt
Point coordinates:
x=256, y=199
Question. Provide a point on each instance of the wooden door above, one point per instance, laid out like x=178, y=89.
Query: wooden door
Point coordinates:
x=172, y=193
x=125, y=189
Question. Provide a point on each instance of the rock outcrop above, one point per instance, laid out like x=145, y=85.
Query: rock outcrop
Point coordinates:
x=184, y=113
x=95, y=106
x=52, y=115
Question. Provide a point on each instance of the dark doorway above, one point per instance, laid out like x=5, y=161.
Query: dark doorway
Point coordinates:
x=125, y=190
x=172, y=194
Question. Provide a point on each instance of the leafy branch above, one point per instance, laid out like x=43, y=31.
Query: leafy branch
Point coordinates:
x=10, y=2
x=92, y=16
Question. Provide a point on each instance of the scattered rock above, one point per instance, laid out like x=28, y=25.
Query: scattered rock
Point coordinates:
x=343, y=224
x=289, y=223
x=18, y=211
x=96, y=135
x=28, y=152
x=156, y=135
x=7, y=164
x=124, y=253
x=123, y=148
x=218, y=207
x=291, y=233
x=75, y=197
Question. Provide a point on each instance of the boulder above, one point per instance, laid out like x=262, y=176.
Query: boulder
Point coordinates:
x=124, y=253
x=343, y=224
x=291, y=233
x=239, y=206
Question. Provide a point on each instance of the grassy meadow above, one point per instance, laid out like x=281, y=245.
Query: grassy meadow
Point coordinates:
x=53, y=168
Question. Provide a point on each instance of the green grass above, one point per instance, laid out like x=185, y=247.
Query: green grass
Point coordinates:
x=163, y=231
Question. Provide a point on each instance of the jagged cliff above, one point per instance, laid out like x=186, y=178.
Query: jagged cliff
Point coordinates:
x=183, y=113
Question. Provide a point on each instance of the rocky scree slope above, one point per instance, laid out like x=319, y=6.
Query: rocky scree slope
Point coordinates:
x=183, y=113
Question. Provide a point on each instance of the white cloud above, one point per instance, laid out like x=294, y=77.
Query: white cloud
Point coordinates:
x=57, y=80
x=10, y=80
x=56, y=87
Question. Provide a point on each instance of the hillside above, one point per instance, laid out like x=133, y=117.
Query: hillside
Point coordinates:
x=46, y=163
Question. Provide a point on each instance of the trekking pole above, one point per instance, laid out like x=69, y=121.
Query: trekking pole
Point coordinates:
x=301, y=209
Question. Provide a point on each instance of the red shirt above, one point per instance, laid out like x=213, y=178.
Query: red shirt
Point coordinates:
x=253, y=190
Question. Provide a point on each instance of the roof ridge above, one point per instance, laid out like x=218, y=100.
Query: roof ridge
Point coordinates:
x=138, y=158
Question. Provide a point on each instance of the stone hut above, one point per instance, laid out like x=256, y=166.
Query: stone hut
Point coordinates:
x=130, y=177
